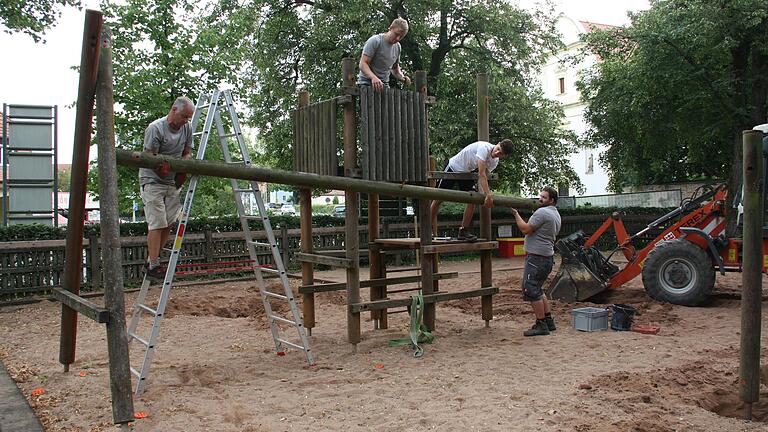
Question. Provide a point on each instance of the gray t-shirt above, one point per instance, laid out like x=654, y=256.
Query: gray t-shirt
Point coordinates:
x=161, y=139
x=383, y=56
x=546, y=222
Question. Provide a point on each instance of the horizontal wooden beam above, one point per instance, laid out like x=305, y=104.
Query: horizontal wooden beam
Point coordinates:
x=324, y=260
x=429, y=298
x=460, y=247
x=138, y=159
x=339, y=252
x=437, y=175
x=81, y=305
x=338, y=286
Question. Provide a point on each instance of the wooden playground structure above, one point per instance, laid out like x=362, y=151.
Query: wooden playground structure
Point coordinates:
x=395, y=149
x=394, y=132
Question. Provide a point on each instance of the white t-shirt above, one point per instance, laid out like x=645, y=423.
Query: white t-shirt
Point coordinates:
x=466, y=160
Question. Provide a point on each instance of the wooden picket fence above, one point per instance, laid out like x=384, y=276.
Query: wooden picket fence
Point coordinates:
x=29, y=269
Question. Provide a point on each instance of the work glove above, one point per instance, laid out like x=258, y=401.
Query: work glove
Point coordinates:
x=180, y=179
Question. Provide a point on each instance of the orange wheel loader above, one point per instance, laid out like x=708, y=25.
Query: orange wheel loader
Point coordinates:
x=678, y=266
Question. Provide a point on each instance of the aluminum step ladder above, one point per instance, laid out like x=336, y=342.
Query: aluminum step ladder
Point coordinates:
x=212, y=104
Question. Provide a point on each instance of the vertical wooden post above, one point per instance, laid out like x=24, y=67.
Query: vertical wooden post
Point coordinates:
x=351, y=203
x=379, y=317
x=425, y=219
x=435, y=257
x=307, y=268
x=486, y=270
x=208, y=245
x=751, y=276
x=95, y=251
x=117, y=339
x=286, y=244
x=79, y=179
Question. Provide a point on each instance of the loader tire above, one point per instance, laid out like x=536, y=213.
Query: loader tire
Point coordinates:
x=678, y=272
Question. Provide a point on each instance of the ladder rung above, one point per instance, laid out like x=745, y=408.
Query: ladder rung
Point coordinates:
x=255, y=243
x=167, y=249
x=229, y=135
x=292, y=345
x=135, y=372
x=269, y=270
x=198, y=133
x=254, y=217
x=284, y=320
x=275, y=295
x=147, y=309
x=205, y=105
x=133, y=335
x=243, y=190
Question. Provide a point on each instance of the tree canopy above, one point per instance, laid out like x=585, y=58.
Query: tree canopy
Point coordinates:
x=159, y=53
x=32, y=17
x=268, y=50
x=301, y=44
x=675, y=89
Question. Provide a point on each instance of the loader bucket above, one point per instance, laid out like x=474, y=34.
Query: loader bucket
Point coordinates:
x=578, y=278
x=574, y=282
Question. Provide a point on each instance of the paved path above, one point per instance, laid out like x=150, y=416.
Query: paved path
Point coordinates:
x=15, y=413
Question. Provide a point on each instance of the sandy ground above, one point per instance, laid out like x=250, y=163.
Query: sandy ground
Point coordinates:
x=216, y=370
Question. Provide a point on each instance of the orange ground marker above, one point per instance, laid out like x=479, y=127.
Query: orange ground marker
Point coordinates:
x=140, y=415
x=38, y=391
x=82, y=374
x=378, y=366
x=646, y=329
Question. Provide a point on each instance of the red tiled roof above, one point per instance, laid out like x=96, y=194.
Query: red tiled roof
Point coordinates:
x=590, y=26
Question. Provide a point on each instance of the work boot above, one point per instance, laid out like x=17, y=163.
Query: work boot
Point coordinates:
x=550, y=323
x=538, y=329
x=465, y=235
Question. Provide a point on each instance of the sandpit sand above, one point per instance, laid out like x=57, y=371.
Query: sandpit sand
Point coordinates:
x=216, y=369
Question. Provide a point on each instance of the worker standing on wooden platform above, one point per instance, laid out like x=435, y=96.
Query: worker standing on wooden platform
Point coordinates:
x=540, y=233
x=481, y=157
x=169, y=136
x=381, y=57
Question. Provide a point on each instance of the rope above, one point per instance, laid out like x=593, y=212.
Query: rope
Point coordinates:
x=419, y=334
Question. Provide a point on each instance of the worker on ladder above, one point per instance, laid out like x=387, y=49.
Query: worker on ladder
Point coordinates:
x=168, y=136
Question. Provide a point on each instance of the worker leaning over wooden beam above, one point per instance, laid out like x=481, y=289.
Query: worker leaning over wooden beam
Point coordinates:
x=481, y=157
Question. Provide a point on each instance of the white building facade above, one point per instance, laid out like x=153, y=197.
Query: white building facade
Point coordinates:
x=558, y=81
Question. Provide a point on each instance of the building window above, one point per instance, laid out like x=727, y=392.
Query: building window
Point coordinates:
x=561, y=85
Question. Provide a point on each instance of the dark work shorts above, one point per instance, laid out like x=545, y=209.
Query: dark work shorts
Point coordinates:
x=462, y=185
x=537, y=268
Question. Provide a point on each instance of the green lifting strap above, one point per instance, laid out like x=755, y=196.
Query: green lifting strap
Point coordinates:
x=419, y=332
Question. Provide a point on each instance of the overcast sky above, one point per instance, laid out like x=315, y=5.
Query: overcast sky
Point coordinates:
x=41, y=74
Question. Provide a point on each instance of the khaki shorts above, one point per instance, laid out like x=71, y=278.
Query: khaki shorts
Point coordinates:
x=161, y=205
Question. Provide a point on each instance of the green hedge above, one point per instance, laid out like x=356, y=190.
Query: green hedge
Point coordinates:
x=232, y=223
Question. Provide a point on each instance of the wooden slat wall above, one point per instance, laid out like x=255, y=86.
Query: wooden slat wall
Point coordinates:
x=315, y=139
x=393, y=135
